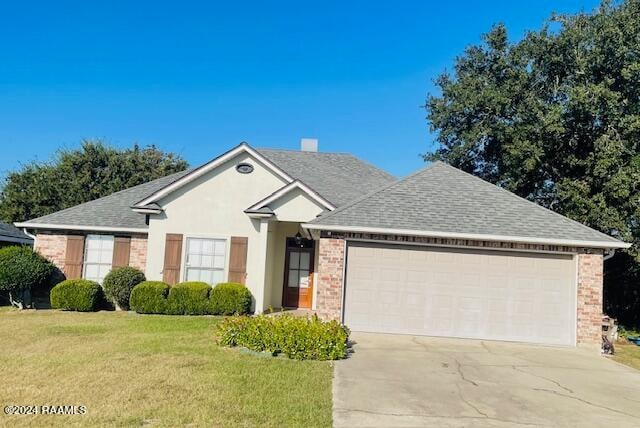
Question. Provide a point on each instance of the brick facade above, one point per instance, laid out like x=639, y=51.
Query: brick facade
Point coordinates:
x=330, y=270
x=589, y=329
x=138, y=252
x=589, y=288
x=53, y=247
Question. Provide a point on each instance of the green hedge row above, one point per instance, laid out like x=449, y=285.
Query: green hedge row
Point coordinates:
x=190, y=298
x=77, y=295
x=298, y=338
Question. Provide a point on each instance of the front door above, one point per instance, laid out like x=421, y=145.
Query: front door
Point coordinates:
x=298, y=273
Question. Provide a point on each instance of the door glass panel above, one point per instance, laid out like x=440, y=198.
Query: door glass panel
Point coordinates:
x=304, y=261
x=294, y=260
x=304, y=278
x=293, y=281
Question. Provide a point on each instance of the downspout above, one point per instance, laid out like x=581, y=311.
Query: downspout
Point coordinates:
x=608, y=253
x=24, y=230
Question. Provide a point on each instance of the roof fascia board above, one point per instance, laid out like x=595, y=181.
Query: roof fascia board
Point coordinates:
x=147, y=210
x=81, y=227
x=470, y=236
x=297, y=184
x=243, y=147
x=5, y=238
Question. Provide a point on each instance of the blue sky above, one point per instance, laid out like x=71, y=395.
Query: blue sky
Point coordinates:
x=199, y=77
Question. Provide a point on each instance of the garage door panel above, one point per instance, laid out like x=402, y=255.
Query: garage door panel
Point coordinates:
x=446, y=292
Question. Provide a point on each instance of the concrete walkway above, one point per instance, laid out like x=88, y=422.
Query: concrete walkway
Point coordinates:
x=406, y=381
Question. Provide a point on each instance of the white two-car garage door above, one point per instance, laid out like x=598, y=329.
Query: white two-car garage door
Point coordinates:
x=433, y=291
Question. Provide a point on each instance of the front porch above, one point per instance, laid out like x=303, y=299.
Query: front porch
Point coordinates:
x=290, y=268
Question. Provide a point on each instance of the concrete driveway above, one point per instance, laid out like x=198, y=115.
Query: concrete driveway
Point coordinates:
x=393, y=380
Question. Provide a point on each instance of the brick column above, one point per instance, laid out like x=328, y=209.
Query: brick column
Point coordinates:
x=329, y=274
x=589, y=328
x=53, y=247
x=138, y=252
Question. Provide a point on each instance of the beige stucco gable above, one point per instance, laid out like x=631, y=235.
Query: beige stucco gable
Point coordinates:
x=296, y=206
x=212, y=206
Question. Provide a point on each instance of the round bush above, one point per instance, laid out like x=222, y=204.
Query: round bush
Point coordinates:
x=22, y=269
x=119, y=282
x=230, y=298
x=76, y=295
x=149, y=297
x=189, y=298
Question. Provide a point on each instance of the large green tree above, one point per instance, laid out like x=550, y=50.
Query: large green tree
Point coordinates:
x=555, y=118
x=81, y=175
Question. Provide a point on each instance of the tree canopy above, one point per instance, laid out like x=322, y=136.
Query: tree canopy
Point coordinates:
x=76, y=176
x=555, y=118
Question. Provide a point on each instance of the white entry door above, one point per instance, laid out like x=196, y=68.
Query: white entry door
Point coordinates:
x=497, y=295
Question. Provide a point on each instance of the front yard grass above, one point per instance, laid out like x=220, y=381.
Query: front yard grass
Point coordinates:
x=627, y=353
x=156, y=370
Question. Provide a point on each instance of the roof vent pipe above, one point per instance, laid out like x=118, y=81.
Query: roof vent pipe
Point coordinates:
x=309, y=144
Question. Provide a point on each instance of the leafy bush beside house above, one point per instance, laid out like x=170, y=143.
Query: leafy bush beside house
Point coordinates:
x=149, y=297
x=296, y=337
x=22, y=270
x=189, y=298
x=230, y=298
x=119, y=283
x=76, y=295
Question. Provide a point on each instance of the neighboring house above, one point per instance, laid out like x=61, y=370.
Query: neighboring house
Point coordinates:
x=439, y=253
x=10, y=235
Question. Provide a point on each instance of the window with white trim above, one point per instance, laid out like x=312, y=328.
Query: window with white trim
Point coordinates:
x=98, y=256
x=205, y=260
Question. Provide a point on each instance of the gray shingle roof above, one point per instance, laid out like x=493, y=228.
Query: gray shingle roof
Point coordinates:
x=441, y=198
x=337, y=177
x=9, y=232
x=110, y=211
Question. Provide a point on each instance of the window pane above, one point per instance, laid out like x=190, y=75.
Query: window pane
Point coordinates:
x=206, y=261
x=92, y=256
x=92, y=242
x=106, y=256
x=294, y=260
x=220, y=247
x=195, y=260
x=91, y=271
x=193, y=274
x=218, y=277
x=293, y=281
x=304, y=261
x=194, y=246
x=218, y=262
x=304, y=278
x=103, y=271
x=207, y=246
x=206, y=276
x=107, y=243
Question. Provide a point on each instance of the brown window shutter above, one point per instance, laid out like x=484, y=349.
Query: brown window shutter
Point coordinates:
x=172, y=258
x=121, y=250
x=74, y=257
x=238, y=259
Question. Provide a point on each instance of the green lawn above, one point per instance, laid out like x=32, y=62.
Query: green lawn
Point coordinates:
x=627, y=353
x=130, y=369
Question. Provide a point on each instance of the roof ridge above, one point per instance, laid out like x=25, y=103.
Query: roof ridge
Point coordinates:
x=271, y=149
x=375, y=192
x=520, y=198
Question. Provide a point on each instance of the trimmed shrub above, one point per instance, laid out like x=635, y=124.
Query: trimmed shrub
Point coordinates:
x=119, y=282
x=76, y=295
x=189, y=298
x=21, y=270
x=230, y=298
x=298, y=338
x=149, y=297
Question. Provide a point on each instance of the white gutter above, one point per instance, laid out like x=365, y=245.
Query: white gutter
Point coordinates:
x=470, y=236
x=81, y=227
x=24, y=230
